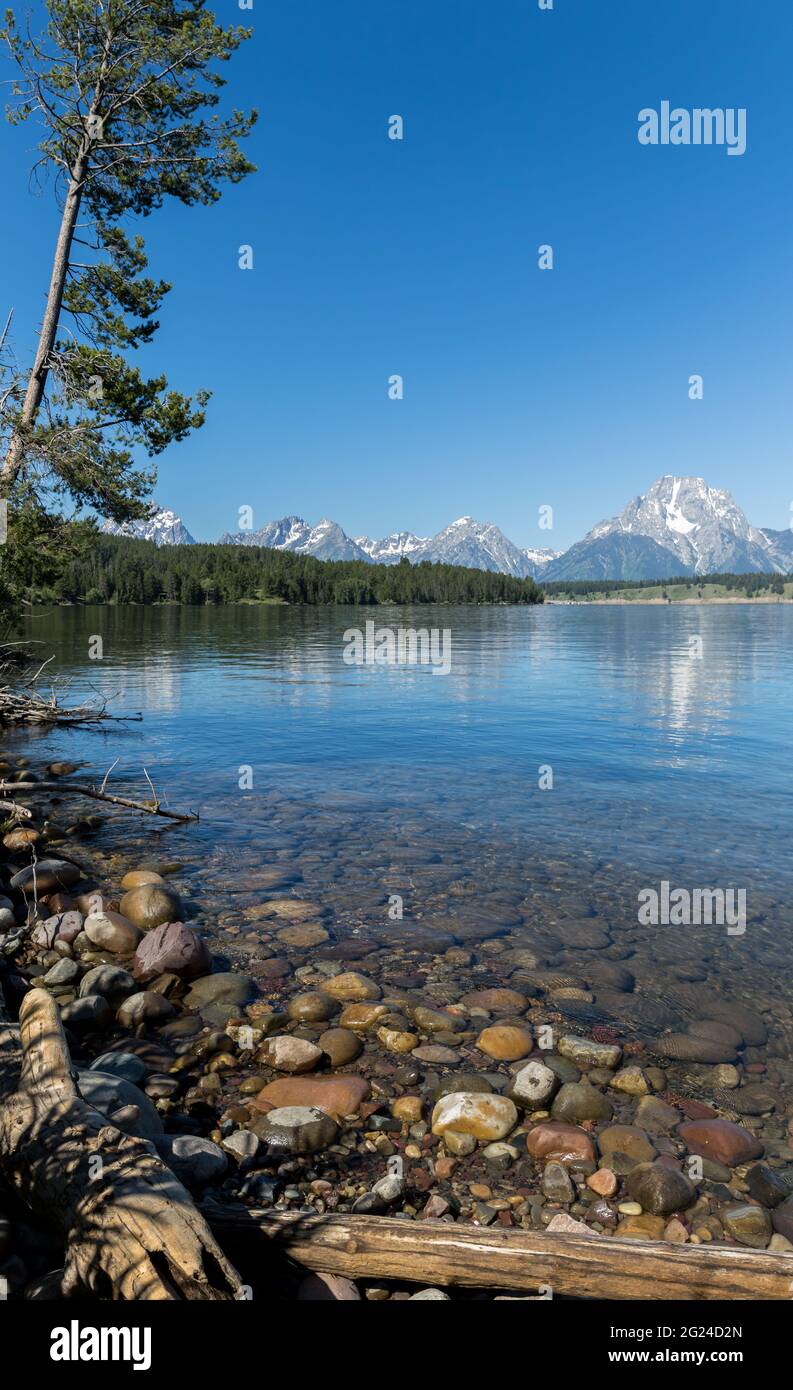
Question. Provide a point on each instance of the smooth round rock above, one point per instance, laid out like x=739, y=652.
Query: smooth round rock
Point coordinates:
x=311, y=1006
x=577, y=1101
x=297, y=1129
x=340, y=1045
x=660, y=1190
x=290, y=1054
x=505, y=1043
x=173, y=949
x=150, y=905
x=337, y=1095
x=110, y=931
x=484, y=1117
x=353, y=987
x=136, y=878
x=721, y=1140
x=144, y=1007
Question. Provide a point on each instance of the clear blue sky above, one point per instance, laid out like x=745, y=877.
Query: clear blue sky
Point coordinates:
x=375, y=257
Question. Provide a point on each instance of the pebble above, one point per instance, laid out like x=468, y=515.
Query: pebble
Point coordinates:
x=144, y=1007
x=556, y=1183
x=533, y=1086
x=350, y=986
x=394, y=1040
x=565, y=1143
x=336, y=1095
x=631, y=1081
x=495, y=1001
x=577, y=1101
x=113, y=983
x=174, y=948
x=111, y=932
x=340, y=1045
x=505, y=1043
x=303, y=934
x=684, y=1047
x=629, y=1140
x=659, y=1189
x=721, y=1140
x=90, y=1013
x=483, y=1117
x=362, y=1017
x=297, y=1129
x=123, y=1064
x=196, y=1162
x=150, y=905
x=586, y=1053
x=290, y=1054
x=748, y=1224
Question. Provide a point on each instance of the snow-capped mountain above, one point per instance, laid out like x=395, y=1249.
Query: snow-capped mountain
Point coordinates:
x=163, y=527
x=326, y=540
x=698, y=529
x=680, y=526
x=476, y=544
x=540, y=559
x=390, y=549
x=481, y=545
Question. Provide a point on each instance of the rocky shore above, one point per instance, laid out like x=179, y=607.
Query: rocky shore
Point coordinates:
x=450, y=1073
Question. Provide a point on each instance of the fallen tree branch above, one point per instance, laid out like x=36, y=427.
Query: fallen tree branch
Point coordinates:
x=131, y=1230
x=438, y=1253
x=151, y=808
x=21, y=706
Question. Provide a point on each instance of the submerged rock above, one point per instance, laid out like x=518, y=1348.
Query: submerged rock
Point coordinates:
x=484, y=1117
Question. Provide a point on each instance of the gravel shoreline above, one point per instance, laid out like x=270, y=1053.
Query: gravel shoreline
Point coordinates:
x=451, y=1074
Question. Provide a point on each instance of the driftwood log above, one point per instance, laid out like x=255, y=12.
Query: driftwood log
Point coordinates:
x=131, y=1230
x=151, y=808
x=437, y=1253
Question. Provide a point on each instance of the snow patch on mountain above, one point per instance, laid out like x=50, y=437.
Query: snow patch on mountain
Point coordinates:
x=390, y=549
x=702, y=526
x=163, y=527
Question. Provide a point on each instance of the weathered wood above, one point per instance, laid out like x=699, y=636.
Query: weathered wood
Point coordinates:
x=131, y=1230
x=440, y=1253
x=151, y=808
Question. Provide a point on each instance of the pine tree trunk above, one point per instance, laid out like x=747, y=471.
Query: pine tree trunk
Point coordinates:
x=34, y=394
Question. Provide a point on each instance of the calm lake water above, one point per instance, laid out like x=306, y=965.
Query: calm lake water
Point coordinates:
x=668, y=732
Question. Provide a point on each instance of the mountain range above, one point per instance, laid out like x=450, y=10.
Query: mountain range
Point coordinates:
x=680, y=526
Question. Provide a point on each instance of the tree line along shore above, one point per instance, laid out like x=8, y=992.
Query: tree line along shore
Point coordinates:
x=120, y=570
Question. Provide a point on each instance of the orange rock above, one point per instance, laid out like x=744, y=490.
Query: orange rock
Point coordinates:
x=644, y=1227
x=676, y=1232
x=604, y=1182
x=505, y=1043
x=336, y=1095
x=564, y=1143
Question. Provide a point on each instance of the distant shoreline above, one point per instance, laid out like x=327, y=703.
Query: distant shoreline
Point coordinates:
x=664, y=603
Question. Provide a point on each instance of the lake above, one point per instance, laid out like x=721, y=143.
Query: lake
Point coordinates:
x=571, y=757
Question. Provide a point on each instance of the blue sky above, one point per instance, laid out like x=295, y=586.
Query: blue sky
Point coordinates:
x=372, y=257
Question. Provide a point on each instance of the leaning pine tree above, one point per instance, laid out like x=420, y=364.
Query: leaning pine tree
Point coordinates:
x=126, y=91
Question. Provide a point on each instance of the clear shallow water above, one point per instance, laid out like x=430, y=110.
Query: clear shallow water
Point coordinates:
x=660, y=760
x=374, y=781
